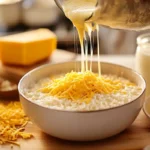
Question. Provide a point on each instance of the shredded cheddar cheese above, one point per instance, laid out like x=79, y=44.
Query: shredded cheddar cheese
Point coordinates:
x=81, y=86
x=12, y=123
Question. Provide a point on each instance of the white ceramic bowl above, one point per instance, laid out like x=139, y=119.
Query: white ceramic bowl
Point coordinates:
x=77, y=125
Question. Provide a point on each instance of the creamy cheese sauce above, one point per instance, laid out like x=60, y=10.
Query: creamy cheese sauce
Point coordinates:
x=117, y=14
x=78, y=13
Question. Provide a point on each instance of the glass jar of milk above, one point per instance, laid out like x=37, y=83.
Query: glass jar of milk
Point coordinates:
x=143, y=59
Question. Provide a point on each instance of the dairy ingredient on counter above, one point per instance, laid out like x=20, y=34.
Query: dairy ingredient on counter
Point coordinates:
x=124, y=93
x=27, y=48
x=143, y=59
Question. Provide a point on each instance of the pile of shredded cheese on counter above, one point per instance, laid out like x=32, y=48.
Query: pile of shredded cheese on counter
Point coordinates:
x=81, y=86
x=12, y=123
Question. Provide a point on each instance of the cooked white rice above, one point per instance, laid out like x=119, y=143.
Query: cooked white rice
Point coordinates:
x=99, y=101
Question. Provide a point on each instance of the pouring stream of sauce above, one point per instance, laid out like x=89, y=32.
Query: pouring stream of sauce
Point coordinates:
x=78, y=12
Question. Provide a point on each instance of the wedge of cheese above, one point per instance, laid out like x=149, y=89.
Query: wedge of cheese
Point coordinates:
x=28, y=47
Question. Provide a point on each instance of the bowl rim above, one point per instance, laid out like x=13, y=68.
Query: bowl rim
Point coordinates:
x=76, y=111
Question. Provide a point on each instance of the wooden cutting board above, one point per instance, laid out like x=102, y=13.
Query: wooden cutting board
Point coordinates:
x=136, y=137
x=16, y=72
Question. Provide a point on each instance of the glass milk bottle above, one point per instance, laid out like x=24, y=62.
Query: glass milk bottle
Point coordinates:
x=143, y=59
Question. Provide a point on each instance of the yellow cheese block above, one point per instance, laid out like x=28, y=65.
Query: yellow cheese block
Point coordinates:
x=28, y=47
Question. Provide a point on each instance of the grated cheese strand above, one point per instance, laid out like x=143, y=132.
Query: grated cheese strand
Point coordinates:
x=12, y=123
x=81, y=86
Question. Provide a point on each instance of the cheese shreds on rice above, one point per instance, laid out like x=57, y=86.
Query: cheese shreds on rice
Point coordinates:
x=82, y=91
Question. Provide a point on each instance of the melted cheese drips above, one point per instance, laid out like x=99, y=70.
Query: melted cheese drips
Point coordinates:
x=78, y=13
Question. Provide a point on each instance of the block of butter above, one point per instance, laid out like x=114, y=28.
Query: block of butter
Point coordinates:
x=28, y=47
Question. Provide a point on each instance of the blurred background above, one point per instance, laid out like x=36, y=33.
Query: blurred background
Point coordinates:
x=23, y=15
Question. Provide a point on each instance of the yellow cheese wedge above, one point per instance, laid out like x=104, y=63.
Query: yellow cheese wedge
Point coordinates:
x=28, y=47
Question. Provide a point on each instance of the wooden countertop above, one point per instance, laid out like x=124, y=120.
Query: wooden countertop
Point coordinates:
x=136, y=137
